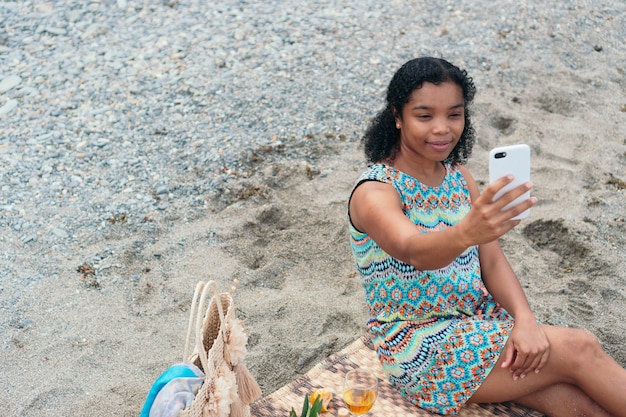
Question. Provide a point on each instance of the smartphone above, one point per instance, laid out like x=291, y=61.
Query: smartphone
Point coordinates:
x=514, y=160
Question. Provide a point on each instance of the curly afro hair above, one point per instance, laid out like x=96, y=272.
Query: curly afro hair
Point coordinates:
x=381, y=138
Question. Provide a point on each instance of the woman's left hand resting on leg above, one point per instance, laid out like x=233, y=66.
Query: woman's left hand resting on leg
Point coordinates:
x=527, y=349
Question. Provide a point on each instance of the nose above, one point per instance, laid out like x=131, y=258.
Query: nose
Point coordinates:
x=441, y=126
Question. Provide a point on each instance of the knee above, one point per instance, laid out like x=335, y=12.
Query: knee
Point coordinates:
x=584, y=346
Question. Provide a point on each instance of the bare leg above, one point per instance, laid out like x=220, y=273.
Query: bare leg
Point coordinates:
x=576, y=359
x=563, y=400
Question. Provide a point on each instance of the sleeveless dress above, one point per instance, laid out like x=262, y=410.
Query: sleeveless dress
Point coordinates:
x=437, y=333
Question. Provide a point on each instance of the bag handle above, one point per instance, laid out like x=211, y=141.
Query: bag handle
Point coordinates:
x=198, y=312
x=192, y=318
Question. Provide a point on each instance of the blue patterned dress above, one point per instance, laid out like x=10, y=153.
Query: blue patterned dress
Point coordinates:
x=438, y=333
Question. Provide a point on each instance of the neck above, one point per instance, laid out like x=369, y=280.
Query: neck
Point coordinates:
x=430, y=173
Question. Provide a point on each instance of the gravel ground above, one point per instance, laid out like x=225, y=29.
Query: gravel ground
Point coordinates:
x=134, y=111
x=122, y=119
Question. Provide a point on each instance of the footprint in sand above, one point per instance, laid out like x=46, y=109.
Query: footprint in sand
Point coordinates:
x=580, y=293
x=554, y=236
x=557, y=103
x=505, y=125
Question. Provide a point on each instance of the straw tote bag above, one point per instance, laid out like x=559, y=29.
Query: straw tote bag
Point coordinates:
x=219, y=350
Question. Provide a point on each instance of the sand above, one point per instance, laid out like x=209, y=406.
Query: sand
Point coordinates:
x=297, y=290
x=96, y=351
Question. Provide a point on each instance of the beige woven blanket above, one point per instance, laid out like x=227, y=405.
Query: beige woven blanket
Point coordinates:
x=329, y=375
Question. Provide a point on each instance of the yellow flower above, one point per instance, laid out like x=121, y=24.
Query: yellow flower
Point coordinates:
x=325, y=395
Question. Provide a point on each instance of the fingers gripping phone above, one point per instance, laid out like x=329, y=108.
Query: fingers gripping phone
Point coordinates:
x=514, y=160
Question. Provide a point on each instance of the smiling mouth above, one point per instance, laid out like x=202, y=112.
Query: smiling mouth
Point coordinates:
x=440, y=146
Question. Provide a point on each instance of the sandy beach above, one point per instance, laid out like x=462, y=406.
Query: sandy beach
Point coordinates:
x=95, y=288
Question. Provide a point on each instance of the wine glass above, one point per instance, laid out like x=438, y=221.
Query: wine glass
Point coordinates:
x=360, y=389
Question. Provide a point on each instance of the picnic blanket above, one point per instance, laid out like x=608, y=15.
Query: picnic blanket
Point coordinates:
x=329, y=375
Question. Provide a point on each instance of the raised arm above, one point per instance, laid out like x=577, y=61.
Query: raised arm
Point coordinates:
x=376, y=208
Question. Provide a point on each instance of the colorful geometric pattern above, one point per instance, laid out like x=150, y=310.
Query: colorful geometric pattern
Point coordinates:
x=438, y=333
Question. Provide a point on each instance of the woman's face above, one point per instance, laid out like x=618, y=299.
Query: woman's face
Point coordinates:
x=432, y=121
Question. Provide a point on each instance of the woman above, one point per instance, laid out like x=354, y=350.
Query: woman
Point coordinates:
x=449, y=320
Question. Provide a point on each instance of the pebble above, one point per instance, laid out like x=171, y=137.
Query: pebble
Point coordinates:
x=8, y=106
x=9, y=82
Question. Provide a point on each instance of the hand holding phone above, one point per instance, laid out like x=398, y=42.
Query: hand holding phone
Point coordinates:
x=513, y=160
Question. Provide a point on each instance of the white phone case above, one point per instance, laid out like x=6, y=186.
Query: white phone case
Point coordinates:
x=513, y=160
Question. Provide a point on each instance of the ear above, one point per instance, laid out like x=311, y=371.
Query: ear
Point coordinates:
x=396, y=117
